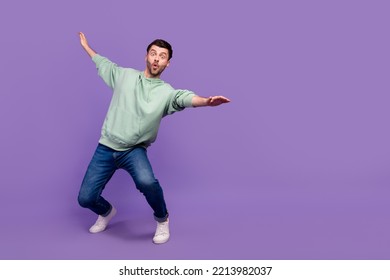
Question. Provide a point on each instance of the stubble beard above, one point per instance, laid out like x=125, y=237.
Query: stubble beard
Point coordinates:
x=155, y=73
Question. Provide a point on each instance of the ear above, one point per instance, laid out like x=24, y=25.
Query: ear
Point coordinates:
x=168, y=63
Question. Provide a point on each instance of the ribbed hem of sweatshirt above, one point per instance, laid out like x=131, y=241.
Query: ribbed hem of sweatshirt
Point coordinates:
x=115, y=146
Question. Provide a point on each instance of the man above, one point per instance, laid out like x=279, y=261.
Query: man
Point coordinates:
x=140, y=100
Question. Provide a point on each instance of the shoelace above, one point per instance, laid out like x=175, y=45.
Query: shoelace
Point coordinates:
x=161, y=229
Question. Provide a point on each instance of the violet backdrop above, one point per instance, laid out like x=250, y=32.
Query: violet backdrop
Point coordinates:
x=295, y=167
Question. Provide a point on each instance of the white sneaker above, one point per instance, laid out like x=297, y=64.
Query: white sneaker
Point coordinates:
x=162, y=233
x=102, y=222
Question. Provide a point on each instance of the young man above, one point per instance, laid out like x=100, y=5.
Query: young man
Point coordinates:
x=140, y=100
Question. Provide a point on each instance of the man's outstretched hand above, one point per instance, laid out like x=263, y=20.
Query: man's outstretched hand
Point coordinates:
x=85, y=45
x=217, y=100
x=198, y=101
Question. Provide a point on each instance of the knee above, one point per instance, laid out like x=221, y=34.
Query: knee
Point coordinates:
x=148, y=184
x=85, y=201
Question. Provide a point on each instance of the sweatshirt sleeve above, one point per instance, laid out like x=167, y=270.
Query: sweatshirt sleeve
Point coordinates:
x=107, y=70
x=181, y=99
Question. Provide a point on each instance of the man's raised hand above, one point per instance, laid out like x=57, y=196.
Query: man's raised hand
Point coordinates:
x=85, y=45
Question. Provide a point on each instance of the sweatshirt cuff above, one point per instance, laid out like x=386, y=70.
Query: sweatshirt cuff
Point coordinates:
x=96, y=58
x=187, y=102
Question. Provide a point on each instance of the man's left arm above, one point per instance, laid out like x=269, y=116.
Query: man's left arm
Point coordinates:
x=198, y=101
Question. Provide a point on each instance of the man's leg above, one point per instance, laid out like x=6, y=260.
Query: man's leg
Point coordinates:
x=99, y=172
x=137, y=164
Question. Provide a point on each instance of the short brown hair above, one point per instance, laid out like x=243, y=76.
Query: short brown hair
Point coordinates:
x=162, y=44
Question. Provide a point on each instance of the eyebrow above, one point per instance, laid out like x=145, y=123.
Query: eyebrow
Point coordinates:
x=163, y=52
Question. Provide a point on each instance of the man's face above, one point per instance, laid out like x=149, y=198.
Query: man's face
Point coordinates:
x=156, y=61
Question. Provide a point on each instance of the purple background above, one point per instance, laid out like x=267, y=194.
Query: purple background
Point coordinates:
x=295, y=167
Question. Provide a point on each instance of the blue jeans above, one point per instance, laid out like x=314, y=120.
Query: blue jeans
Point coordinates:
x=103, y=165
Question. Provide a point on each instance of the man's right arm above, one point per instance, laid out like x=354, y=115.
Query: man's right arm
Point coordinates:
x=107, y=70
x=84, y=44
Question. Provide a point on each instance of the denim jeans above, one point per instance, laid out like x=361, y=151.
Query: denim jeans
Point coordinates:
x=103, y=165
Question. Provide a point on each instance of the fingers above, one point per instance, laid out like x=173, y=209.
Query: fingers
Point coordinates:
x=82, y=36
x=219, y=98
x=225, y=99
x=83, y=40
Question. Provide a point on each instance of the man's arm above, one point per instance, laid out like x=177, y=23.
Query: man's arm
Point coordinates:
x=108, y=70
x=84, y=44
x=198, y=101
